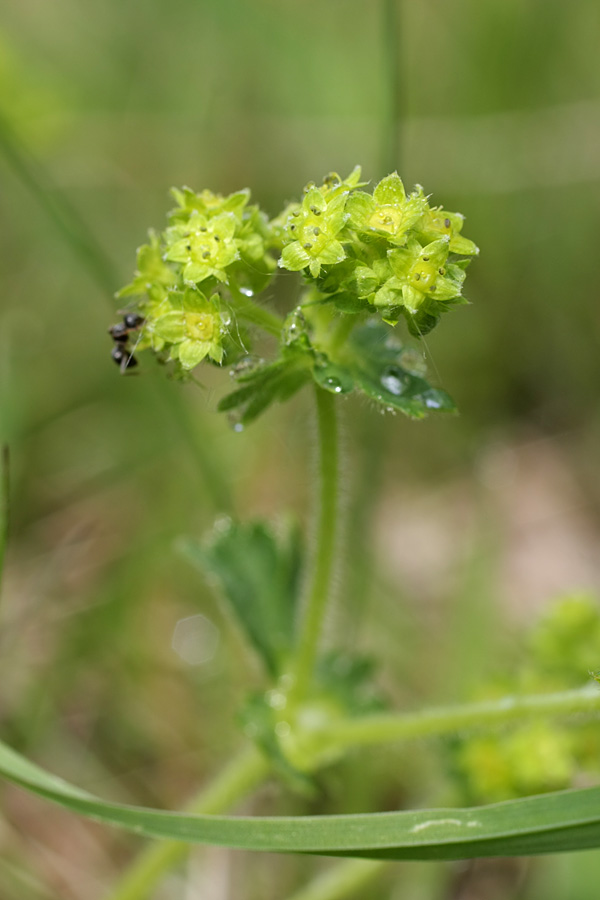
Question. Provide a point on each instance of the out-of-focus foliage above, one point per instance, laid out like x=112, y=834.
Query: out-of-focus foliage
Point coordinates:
x=539, y=756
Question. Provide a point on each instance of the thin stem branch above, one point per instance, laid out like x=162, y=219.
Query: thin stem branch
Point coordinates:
x=241, y=775
x=386, y=728
x=256, y=315
x=341, y=880
x=326, y=540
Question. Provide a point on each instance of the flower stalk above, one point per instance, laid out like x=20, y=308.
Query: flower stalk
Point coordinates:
x=325, y=545
x=390, y=727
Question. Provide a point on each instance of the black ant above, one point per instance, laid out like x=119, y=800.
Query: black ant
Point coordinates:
x=120, y=332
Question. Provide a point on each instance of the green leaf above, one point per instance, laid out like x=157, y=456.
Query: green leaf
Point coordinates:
x=552, y=823
x=349, y=678
x=259, y=576
x=377, y=366
x=347, y=302
x=421, y=322
x=264, y=385
x=334, y=378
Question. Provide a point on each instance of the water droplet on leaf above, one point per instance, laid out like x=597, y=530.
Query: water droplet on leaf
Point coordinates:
x=394, y=380
x=334, y=379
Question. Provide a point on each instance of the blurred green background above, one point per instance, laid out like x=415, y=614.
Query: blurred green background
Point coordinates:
x=468, y=527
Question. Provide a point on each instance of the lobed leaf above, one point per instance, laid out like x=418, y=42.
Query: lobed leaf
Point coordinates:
x=262, y=386
x=259, y=576
x=376, y=362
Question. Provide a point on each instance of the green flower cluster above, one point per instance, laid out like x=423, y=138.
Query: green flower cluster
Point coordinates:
x=539, y=756
x=214, y=250
x=388, y=252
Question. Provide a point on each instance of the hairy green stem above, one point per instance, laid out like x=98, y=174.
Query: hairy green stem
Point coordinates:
x=256, y=315
x=359, y=559
x=326, y=540
x=241, y=775
x=341, y=880
x=392, y=116
x=385, y=728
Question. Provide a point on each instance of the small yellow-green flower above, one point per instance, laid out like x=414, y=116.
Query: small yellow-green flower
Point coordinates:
x=389, y=212
x=203, y=246
x=207, y=203
x=566, y=643
x=314, y=228
x=192, y=328
x=279, y=225
x=420, y=274
x=153, y=276
x=438, y=222
x=535, y=758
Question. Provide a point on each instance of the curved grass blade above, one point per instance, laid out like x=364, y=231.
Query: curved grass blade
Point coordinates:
x=566, y=820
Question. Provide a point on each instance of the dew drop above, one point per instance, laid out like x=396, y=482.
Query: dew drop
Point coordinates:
x=394, y=380
x=247, y=292
x=333, y=379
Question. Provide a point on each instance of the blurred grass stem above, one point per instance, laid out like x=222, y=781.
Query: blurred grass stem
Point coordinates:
x=76, y=233
x=242, y=774
x=4, y=504
x=326, y=540
x=208, y=462
x=393, y=97
x=341, y=880
x=65, y=217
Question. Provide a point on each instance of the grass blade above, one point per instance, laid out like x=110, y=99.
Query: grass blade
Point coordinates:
x=566, y=820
